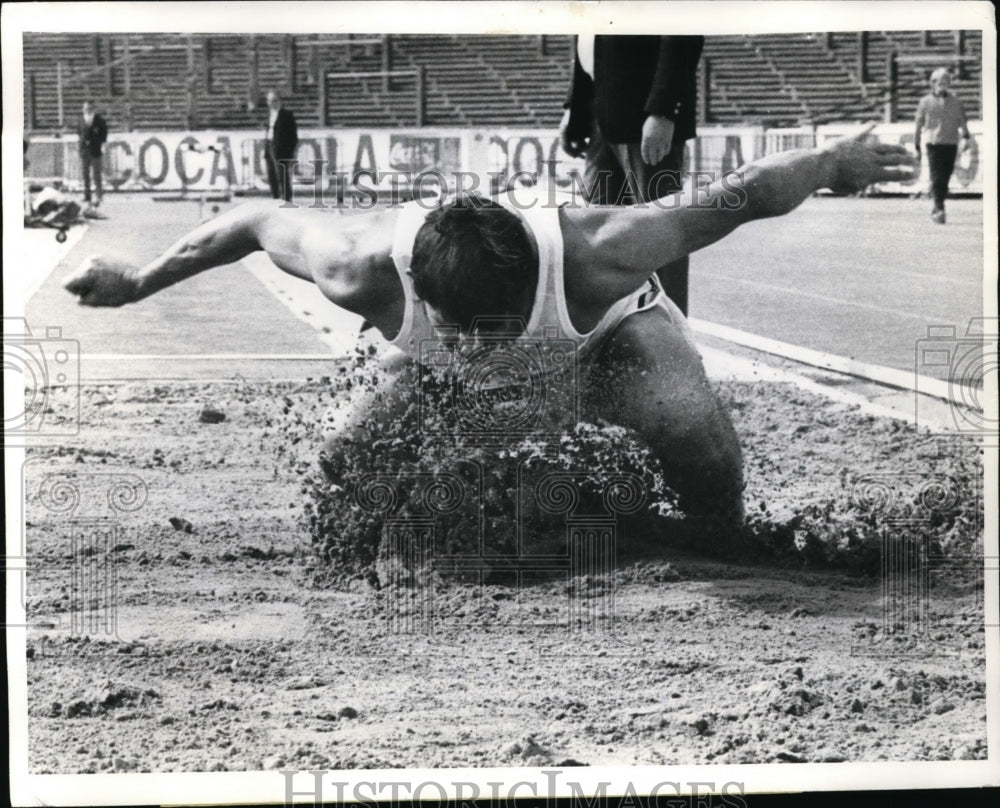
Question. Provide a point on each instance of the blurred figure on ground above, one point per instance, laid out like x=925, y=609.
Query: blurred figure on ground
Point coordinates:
x=629, y=111
x=50, y=208
x=93, y=131
x=282, y=138
x=940, y=127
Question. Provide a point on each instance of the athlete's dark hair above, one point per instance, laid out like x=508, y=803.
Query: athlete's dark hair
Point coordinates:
x=472, y=258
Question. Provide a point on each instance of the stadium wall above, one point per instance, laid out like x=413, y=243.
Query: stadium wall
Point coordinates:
x=370, y=161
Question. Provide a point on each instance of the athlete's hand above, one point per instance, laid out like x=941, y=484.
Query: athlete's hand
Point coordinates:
x=104, y=282
x=657, y=138
x=859, y=164
x=573, y=146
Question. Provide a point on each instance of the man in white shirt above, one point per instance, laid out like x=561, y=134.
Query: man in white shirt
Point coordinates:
x=940, y=122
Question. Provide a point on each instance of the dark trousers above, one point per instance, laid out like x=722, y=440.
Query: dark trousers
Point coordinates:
x=941, y=162
x=92, y=165
x=279, y=176
x=616, y=175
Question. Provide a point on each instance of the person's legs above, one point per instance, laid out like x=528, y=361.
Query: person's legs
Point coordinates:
x=941, y=164
x=603, y=176
x=85, y=167
x=285, y=180
x=656, y=182
x=272, y=170
x=98, y=165
x=649, y=377
x=934, y=167
x=615, y=174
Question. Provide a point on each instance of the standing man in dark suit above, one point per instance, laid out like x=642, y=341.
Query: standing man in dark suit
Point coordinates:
x=630, y=109
x=93, y=132
x=282, y=138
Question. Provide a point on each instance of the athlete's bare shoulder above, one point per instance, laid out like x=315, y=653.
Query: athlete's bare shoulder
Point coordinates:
x=590, y=267
x=324, y=242
x=346, y=252
x=359, y=271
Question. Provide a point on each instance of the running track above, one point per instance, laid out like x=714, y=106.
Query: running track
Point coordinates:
x=860, y=278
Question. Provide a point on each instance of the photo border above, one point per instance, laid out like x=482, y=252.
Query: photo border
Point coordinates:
x=492, y=17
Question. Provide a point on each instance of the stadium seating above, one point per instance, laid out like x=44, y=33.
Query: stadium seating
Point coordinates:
x=938, y=47
x=750, y=84
x=177, y=81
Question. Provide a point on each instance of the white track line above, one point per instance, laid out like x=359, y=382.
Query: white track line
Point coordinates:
x=40, y=254
x=333, y=325
x=892, y=377
x=721, y=365
x=839, y=301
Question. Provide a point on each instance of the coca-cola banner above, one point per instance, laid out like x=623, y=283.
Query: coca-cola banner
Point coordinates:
x=370, y=162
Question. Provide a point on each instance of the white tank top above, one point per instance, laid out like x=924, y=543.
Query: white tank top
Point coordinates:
x=549, y=316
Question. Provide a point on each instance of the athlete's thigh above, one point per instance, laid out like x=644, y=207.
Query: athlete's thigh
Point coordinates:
x=648, y=373
x=649, y=377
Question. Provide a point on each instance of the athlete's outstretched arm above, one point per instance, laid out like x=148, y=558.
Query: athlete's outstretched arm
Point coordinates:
x=632, y=242
x=313, y=245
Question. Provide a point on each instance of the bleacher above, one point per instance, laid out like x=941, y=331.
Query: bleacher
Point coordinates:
x=746, y=85
x=200, y=81
x=912, y=78
x=788, y=79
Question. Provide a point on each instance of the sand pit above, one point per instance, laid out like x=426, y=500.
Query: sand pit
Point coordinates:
x=229, y=656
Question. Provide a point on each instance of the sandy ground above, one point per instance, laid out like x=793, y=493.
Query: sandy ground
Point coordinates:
x=228, y=656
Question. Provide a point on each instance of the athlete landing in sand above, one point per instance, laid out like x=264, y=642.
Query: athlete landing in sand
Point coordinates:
x=581, y=272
